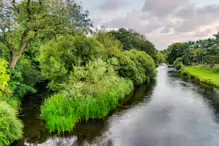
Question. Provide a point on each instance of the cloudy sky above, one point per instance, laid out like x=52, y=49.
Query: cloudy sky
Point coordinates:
x=163, y=21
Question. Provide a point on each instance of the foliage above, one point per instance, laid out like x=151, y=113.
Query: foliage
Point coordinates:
x=134, y=65
x=24, y=22
x=4, y=78
x=7, y=93
x=17, y=83
x=130, y=39
x=10, y=126
x=91, y=92
x=110, y=43
x=58, y=58
x=199, y=52
x=176, y=51
x=178, y=63
x=161, y=58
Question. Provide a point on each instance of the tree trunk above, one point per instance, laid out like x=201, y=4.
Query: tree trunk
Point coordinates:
x=17, y=54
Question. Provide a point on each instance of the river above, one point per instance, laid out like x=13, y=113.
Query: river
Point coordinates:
x=169, y=112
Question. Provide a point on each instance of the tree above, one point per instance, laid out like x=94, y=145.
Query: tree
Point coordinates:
x=161, y=57
x=130, y=39
x=176, y=51
x=59, y=57
x=25, y=22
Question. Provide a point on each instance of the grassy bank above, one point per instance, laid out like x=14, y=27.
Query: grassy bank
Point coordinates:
x=203, y=74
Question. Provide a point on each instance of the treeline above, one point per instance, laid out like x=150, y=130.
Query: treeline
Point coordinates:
x=197, y=61
x=46, y=41
x=199, y=52
x=90, y=76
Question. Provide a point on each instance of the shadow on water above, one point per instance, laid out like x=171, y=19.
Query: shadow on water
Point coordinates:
x=211, y=95
x=36, y=133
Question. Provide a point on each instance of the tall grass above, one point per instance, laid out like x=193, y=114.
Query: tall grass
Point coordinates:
x=10, y=126
x=62, y=112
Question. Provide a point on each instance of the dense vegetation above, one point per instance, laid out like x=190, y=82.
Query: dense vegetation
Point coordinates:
x=88, y=78
x=199, y=52
x=10, y=126
x=196, y=60
x=46, y=41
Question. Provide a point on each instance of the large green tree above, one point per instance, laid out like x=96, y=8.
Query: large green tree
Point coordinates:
x=130, y=39
x=24, y=22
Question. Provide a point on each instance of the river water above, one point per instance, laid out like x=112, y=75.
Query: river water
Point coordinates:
x=170, y=112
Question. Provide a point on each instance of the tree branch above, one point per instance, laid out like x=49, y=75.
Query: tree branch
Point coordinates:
x=28, y=10
x=14, y=5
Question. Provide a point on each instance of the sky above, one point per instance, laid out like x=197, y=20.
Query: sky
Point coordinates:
x=162, y=21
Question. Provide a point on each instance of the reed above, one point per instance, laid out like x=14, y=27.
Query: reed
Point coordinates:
x=62, y=111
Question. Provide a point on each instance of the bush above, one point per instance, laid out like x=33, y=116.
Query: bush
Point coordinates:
x=10, y=126
x=17, y=85
x=4, y=78
x=58, y=58
x=134, y=65
x=178, y=63
x=91, y=92
x=110, y=43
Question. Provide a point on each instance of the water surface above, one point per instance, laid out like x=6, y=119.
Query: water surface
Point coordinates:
x=171, y=112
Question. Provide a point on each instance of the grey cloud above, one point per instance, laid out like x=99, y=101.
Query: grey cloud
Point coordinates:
x=165, y=29
x=163, y=16
x=110, y=5
x=192, y=17
x=162, y=8
x=186, y=12
x=134, y=20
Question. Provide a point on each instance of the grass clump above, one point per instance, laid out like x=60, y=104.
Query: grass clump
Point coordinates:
x=10, y=126
x=91, y=92
x=202, y=74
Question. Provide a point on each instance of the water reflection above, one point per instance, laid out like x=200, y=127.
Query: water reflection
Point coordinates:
x=171, y=112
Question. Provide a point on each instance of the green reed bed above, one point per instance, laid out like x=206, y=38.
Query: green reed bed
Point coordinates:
x=62, y=111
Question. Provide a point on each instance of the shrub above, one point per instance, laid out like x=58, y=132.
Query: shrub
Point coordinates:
x=10, y=126
x=4, y=78
x=58, y=58
x=134, y=65
x=110, y=43
x=178, y=63
x=91, y=92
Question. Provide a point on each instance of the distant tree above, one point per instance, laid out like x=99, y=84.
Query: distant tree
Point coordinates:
x=176, y=50
x=130, y=39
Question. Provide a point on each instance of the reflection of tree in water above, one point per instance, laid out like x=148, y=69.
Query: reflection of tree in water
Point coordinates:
x=88, y=131
x=210, y=93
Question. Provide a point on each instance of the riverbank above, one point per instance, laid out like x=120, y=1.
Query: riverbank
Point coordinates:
x=202, y=74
